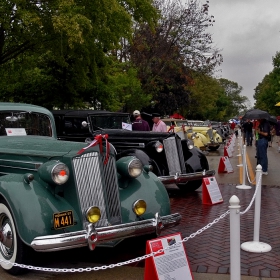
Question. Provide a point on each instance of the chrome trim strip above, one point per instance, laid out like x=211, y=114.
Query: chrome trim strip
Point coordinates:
x=16, y=167
x=183, y=178
x=104, y=234
x=128, y=145
x=21, y=161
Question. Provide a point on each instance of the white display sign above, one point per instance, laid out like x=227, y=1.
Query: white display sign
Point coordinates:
x=228, y=165
x=171, y=263
x=213, y=190
x=15, y=131
x=127, y=126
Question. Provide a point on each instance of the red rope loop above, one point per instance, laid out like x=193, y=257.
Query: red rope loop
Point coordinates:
x=171, y=128
x=98, y=140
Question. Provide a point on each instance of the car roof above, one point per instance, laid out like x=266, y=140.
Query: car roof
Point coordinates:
x=168, y=119
x=85, y=113
x=10, y=106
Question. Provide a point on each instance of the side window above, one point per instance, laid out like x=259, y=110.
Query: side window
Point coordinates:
x=73, y=125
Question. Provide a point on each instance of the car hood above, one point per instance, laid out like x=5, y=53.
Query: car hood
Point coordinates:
x=122, y=134
x=38, y=146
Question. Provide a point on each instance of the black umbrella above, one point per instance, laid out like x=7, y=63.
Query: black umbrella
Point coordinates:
x=256, y=114
x=272, y=119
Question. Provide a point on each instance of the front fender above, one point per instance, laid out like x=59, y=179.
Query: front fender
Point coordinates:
x=195, y=160
x=141, y=155
x=33, y=206
x=149, y=188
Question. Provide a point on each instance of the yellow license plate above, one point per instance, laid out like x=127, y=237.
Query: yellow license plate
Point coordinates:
x=63, y=219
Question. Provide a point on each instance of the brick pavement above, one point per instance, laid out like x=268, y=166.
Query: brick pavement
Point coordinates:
x=209, y=251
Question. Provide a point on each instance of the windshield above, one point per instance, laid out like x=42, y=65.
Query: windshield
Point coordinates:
x=180, y=123
x=18, y=123
x=197, y=123
x=109, y=121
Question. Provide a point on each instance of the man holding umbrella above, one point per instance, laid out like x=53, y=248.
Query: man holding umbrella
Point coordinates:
x=263, y=131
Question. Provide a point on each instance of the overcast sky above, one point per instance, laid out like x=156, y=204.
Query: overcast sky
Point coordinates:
x=248, y=32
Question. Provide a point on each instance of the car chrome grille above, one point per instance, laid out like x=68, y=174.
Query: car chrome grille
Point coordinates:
x=174, y=155
x=97, y=186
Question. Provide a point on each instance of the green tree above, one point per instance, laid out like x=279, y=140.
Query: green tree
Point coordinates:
x=165, y=55
x=233, y=91
x=267, y=92
x=57, y=51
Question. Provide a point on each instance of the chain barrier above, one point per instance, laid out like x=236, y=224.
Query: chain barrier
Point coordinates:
x=96, y=268
x=253, y=198
x=248, y=177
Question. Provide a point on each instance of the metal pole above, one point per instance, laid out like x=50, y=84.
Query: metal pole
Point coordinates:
x=256, y=246
x=243, y=186
x=235, y=271
x=257, y=214
x=244, y=165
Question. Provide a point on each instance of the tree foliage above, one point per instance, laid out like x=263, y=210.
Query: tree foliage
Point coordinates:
x=59, y=52
x=214, y=99
x=114, y=55
x=267, y=92
x=165, y=55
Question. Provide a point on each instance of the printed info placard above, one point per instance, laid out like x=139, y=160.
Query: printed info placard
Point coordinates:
x=172, y=264
x=213, y=190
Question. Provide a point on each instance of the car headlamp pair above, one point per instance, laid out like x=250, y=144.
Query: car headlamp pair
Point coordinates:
x=93, y=214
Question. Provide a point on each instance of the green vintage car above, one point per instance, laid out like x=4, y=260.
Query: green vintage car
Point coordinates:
x=57, y=195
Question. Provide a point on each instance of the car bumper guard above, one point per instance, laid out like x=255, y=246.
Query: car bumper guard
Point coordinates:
x=94, y=236
x=183, y=178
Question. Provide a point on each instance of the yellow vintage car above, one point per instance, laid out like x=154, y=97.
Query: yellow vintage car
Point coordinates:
x=214, y=139
x=182, y=128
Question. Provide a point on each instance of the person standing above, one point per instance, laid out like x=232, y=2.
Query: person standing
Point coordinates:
x=139, y=124
x=277, y=132
x=232, y=126
x=263, y=131
x=248, y=130
x=272, y=133
x=159, y=125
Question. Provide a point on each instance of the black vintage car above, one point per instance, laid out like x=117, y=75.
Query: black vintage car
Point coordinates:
x=172, y=159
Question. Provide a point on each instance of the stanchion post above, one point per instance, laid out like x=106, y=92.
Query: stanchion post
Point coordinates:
x=243, y=186
x=235, y=271
x=256, y=246
x=257, y=214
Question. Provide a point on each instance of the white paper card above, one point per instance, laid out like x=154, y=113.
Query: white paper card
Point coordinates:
x=127, y=126
x=214, y=190
x=15, y=131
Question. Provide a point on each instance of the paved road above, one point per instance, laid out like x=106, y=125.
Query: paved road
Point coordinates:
x=83, y=258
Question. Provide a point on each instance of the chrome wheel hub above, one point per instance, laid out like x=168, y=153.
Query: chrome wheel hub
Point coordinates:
x=6, y=234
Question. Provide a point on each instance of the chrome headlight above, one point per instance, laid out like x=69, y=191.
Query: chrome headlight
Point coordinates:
x=60, y=174
x=54, y=172
x=159, y=147
x=190, y=144
x=139, y=207
x=135, y=168
x=129, y=166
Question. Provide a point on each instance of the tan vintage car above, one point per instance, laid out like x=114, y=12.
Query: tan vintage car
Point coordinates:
x=182, y=128
x=214, y=139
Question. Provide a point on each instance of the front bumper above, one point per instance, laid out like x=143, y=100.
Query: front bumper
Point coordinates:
x=183, y=178
x=95, y=236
